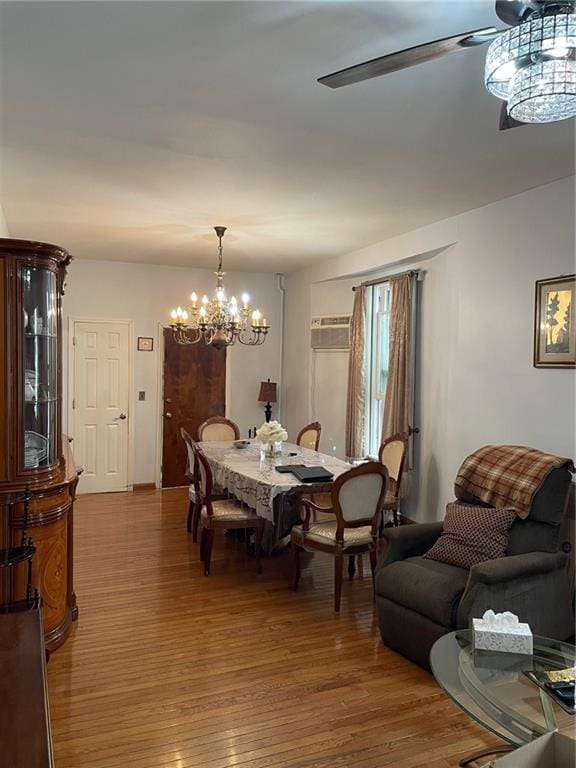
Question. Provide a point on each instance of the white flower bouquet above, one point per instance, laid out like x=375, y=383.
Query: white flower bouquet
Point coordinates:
x=272, y=434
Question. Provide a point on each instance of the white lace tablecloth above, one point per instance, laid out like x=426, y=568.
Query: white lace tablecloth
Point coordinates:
x=254, y=480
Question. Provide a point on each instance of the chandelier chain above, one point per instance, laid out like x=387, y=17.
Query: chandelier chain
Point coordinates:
x=220, y=249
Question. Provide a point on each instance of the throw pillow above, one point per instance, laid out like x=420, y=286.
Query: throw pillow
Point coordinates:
x=471, y=535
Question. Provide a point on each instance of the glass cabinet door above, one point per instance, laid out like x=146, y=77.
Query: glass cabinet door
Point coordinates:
x=40, y=363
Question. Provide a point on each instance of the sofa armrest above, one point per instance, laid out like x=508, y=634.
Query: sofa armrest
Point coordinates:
x=516, y=567
x=534, y=586
x=408, y=541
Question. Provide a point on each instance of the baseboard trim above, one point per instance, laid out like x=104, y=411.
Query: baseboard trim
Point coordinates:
x=144, y=487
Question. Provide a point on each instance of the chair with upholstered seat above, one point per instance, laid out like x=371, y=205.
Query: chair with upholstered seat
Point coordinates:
x=225, y=514
x=192, y=520
x=193, y=501
x=392, y=455
x=357, y=498
x=309, y=436
x=218, y=428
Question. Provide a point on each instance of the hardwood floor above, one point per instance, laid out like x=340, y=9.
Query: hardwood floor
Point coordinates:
x=167, y=668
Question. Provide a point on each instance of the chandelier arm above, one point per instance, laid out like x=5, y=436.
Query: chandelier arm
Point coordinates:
x=181, y=335
x=252, y=342
x=256, y=337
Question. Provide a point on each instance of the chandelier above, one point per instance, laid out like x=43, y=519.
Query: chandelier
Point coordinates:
x=532, y=66
x=219, y=321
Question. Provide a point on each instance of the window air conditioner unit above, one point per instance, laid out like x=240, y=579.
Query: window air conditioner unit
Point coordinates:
x=330, y=332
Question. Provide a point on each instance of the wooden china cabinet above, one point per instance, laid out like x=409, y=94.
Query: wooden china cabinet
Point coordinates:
x=35, y=458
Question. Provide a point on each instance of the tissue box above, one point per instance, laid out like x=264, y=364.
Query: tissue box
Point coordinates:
x=515, y=639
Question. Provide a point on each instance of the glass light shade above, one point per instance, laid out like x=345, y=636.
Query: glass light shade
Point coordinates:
x=544, y=92
x=537, y=41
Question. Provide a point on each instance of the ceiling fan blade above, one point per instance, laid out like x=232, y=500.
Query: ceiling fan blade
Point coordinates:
x=409, y=57
x=506, y=122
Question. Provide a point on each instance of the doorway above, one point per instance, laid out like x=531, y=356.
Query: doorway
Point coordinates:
x=100, y=417
x=194, y=388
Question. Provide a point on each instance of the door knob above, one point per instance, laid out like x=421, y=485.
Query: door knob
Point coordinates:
x=167, y=415
x=121, y=417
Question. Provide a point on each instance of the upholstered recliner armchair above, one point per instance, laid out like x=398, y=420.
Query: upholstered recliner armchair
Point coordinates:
x=419, y=599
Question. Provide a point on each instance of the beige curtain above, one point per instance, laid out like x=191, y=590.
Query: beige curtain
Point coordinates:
x=356, y=402
x=397, y=402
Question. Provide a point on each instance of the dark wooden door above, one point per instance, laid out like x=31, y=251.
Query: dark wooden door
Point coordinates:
x=194, y=390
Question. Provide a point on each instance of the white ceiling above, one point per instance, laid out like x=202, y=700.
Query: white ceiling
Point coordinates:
x=130, y=129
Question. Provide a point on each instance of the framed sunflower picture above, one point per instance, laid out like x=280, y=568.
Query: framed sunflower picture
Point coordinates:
x=555, y=323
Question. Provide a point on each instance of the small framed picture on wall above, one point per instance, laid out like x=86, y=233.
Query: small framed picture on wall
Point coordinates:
x=145, y=344
x=555, y=323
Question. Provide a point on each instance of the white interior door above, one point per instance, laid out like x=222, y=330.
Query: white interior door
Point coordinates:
x=100, y=405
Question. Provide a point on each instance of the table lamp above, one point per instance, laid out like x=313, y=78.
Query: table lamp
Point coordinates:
x=267, y=395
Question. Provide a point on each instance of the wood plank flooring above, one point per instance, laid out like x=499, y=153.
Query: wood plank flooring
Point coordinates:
x=166, y=668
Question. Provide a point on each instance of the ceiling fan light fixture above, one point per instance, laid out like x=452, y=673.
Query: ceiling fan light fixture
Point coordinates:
x=544, y=92
x=540, y=39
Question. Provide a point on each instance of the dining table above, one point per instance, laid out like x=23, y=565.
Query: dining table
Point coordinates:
x=252, y=478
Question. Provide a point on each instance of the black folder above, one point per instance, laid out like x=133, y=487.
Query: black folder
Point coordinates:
x=312, y=474
x=284, y=468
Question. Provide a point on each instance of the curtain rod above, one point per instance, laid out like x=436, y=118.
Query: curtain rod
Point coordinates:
x=379, y=280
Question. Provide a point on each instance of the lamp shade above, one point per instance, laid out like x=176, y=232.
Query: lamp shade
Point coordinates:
x=267, y=392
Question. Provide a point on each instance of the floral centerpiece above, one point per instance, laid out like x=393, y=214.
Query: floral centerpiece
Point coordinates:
x=271, y=436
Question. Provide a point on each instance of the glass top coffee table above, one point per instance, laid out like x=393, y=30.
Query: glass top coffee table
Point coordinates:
x=495, y=688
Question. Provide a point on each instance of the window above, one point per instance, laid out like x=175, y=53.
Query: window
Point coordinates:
x=377, y=346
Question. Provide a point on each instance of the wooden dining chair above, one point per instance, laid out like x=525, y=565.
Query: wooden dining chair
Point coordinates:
x=357, y=498
x=392, y=455
x=191, y=470
x=218, y=428
x=309, y=436
x=193, y=500
x=225, y=514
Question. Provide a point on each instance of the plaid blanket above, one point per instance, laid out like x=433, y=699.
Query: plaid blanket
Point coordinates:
x=507, y=475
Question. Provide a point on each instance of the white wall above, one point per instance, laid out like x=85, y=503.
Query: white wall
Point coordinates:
x=478, y=384
x=145, y=294
x=3, y=226
x=330, y=298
